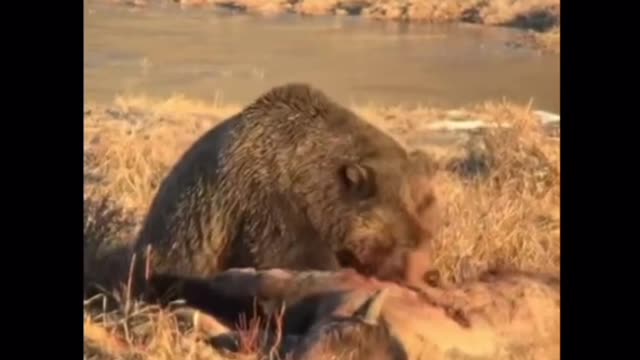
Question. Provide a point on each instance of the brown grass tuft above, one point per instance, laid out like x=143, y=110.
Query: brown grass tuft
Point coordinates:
x=131, y=145
x=108, y=229
x=145, y=332
x=547, y=41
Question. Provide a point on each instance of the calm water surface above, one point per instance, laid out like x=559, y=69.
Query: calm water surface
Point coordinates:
x=204, y=54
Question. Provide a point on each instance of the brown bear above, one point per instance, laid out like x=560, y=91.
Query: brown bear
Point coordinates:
x=293, y=181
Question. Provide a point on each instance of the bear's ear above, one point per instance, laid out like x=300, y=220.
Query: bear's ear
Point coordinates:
x=358, y=180
x=424, y=162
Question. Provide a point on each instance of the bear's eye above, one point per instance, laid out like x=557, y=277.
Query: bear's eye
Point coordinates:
x=358, y=180
x=425, y=203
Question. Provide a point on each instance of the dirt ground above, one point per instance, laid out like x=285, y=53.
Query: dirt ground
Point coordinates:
x=506, y=213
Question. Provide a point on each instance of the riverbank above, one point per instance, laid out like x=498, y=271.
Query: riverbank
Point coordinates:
x=541, y=18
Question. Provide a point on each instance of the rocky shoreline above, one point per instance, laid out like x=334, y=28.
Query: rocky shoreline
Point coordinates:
x=539, y=15
x=541, y=18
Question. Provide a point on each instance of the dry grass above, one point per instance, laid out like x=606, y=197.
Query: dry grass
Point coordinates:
x=511, y=218
x=145, y=332
x=548, y=41
x=119, y=327
x=508, y=217
x=131, y=145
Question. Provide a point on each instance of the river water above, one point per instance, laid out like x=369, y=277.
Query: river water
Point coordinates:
x=211, y=53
